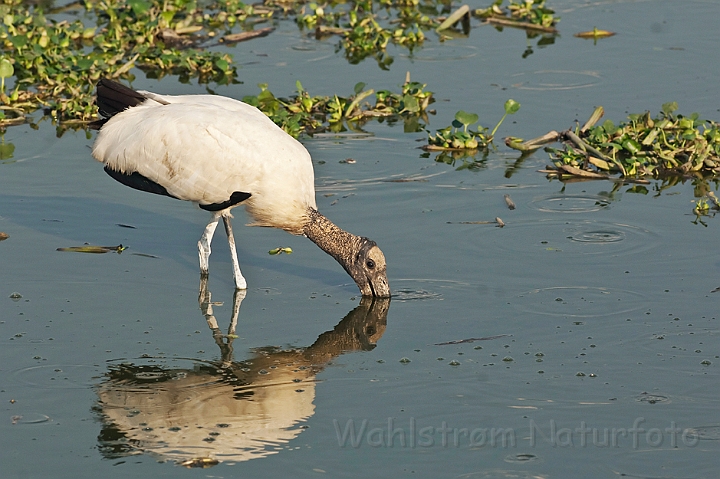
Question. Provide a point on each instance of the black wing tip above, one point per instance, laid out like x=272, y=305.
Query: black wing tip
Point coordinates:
x=235, y=199
x=113, y=98
x=137, y=181
x=97, y=124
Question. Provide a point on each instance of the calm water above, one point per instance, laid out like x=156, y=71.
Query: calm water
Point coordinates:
x=596, y=336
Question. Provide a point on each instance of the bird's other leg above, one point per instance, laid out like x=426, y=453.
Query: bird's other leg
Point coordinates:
x=240, y=282
x=237, y=301
x=223, y=341
x=204, y=244
x=206, y=306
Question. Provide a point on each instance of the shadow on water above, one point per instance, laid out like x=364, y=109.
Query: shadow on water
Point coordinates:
x=207, y=412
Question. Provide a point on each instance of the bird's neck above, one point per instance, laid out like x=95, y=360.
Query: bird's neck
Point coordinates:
x=336, y=242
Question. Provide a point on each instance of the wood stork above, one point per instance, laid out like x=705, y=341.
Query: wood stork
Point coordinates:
x=219, y=153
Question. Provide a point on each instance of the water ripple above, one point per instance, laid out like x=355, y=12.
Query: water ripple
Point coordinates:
x=708, y=433
x=31, y=418
x=552, y=80
x=580, y=301
x=407, y=295
x=58, y=376
x=447, y=52
x=586, y=237
x=410, y=289
x=648, y=398
x=570, y=203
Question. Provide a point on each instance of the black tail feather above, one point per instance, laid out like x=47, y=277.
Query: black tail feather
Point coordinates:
x=112, y=98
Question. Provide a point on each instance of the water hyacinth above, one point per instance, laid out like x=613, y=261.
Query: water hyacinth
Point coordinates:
x=458, y=136
x=669, y=144
x=303, y=113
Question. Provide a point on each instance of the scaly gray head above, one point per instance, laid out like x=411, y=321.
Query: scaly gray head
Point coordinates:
x=360, y=257
x=369, y=270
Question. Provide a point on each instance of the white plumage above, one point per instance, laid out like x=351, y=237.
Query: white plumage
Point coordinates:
x=220, y=152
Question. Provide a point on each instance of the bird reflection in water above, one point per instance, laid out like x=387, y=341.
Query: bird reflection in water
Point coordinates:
x=225, y=410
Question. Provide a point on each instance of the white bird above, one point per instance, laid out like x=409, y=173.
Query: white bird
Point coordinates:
x=220, y=153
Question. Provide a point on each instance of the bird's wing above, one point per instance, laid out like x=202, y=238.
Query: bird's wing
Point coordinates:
x=204, y=148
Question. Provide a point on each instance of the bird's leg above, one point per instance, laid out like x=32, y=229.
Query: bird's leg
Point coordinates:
x=240, y=282
x=237, y=301
x=206, y=306
x=224, y=341
x=204, y=244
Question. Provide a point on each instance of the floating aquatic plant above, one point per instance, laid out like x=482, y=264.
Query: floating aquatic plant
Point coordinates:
x=669, y=144
x=53, y=57
x=529, y=14
x=57, y=62
x=363, y=34
x=303, y=113
x=458, y=136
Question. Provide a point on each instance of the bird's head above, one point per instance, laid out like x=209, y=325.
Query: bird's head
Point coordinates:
x=360, y=257
x=368, y=269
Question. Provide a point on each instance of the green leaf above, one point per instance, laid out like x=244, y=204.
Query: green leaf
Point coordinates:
x=6, y=151
x=511, y=106
x=466, y=118
x=85, y=63
x=19, y=41
x=139, y=7
x=669, y=107
x=410, y=104
x=609, y=127
x=632, y=146
x=6, y=68
x=360, y=86
x=222, y=64
x=167, y=16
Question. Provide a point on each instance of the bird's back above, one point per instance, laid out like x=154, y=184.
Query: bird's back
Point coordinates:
x=204, y=148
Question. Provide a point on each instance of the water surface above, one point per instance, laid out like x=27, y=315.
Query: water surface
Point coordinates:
x=590, y=317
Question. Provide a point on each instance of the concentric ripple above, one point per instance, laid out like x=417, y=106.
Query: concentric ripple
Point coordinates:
x=433, y=289
x=58, y=376
x=408, y=295
x=570, y=203
x=521, y=458
x=648, y=398
x=598, y=236
x=580, y=301
x=552, y=80
x=419, y=289
x=30, y=418
x=447, y=52
x=586, y=237
x=500, y=474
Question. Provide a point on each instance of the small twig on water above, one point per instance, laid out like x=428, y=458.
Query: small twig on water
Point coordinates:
x=470, y=340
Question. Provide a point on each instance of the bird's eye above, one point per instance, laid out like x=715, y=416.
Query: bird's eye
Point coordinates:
x=370, y=264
